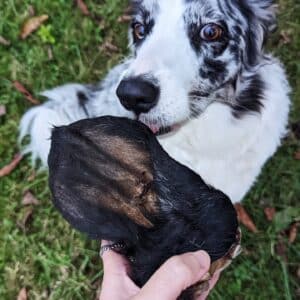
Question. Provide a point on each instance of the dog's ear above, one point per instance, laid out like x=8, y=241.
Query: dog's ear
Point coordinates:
x=261, y=17
x=265, y=11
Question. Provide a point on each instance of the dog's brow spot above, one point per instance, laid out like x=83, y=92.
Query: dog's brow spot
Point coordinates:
x=82, y=98
x=82, y=101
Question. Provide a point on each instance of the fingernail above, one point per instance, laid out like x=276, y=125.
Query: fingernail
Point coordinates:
x=204, y=259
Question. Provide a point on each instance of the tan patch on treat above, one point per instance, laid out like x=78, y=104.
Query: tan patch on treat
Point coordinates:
x=127, y=169
x=195, y=291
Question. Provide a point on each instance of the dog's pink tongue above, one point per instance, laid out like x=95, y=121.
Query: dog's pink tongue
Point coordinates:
x=154, y=129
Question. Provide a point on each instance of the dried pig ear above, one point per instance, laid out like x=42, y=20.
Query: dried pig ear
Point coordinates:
x=93, y=168
x=111, y=178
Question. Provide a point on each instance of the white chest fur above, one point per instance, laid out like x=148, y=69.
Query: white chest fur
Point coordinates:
x=227, y=152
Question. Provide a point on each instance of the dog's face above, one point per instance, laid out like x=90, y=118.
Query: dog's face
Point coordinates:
x=186, y=52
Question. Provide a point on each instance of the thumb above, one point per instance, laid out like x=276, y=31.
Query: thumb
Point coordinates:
x=176, y=275
x=113, y=263
x=116, y=284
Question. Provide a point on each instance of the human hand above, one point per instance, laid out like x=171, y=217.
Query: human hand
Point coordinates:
x=168, y=282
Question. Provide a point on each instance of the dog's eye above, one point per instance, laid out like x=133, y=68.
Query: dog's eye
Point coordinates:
x=211, y=32
x=139, y=31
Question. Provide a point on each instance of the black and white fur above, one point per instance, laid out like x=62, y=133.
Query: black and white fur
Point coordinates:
x=227, y=101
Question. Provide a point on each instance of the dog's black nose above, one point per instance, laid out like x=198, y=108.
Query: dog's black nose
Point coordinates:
x=137, y=94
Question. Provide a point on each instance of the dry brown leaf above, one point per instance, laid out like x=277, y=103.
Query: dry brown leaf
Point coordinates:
x=29, y=199
x=108, y=46
x=20, y=87
x=270, y=213
x=2, y=110
x=285, y=37
x=124, y=19
x=293, y=231
x=6, y=170
x=4, y=41
x=32, y=25
x=244, y=218
x=25, y=218
x=22, y=294
x=83, y=7
x=297, y=155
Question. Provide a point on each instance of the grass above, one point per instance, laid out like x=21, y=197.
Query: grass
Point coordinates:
x=50, y=259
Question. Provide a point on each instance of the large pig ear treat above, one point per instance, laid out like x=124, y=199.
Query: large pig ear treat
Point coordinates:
x=96, y=172
x=111, y=179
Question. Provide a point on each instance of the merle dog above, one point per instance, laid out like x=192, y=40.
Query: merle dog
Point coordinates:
x=199, y=78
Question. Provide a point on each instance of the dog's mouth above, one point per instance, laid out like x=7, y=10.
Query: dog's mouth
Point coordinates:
x=159, y=130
